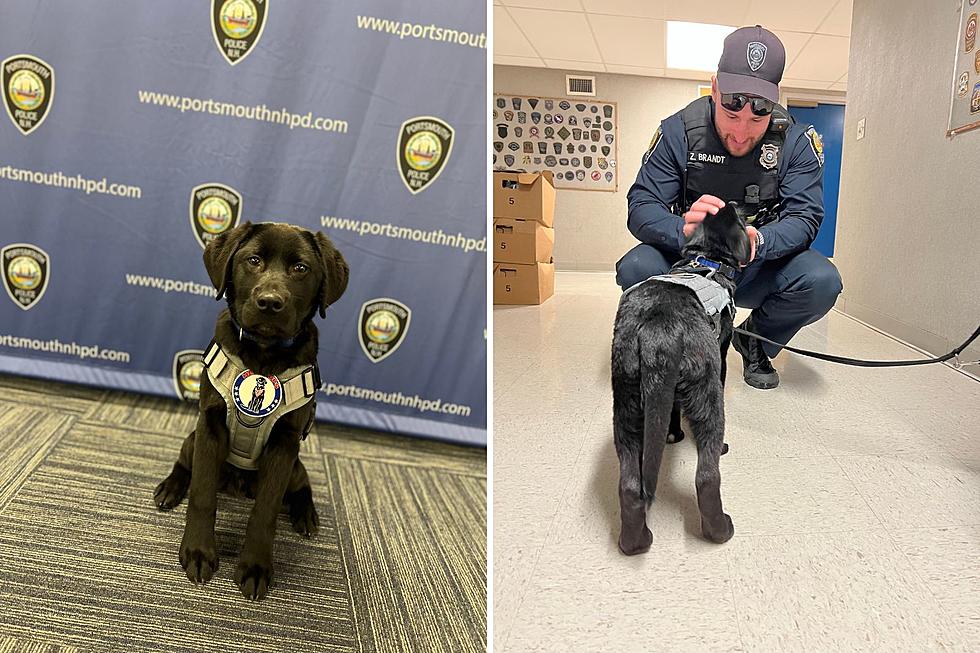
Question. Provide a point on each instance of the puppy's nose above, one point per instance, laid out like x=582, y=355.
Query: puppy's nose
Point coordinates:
x=270, y=301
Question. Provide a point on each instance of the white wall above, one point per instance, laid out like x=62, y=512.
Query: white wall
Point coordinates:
x=908, y=227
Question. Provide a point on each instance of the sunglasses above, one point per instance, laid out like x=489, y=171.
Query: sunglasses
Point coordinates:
x=736, y=102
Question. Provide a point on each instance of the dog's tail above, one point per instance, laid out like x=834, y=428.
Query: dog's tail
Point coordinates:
x=659, y=374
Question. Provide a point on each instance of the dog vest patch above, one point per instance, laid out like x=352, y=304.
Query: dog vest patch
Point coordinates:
x=255, y=402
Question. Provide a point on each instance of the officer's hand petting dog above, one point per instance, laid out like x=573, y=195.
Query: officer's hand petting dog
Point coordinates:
x=710, y=204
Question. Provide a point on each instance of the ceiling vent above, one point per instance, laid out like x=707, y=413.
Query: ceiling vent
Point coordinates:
x=578, y=85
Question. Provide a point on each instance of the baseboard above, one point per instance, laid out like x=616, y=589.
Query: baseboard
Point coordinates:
x=925, y=341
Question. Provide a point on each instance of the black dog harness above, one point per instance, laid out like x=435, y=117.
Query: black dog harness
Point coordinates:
x=255, y=402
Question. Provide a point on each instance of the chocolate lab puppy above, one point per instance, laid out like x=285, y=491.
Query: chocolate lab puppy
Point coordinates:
x=666, y=350
x=257, y=395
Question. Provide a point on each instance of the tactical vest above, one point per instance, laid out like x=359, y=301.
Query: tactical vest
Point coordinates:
x=751, y=181
x=256, y=402
x=713, y=297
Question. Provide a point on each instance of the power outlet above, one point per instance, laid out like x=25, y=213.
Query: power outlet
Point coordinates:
x=860, y=133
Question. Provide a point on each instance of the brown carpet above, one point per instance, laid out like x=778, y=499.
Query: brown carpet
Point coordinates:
x=89, y=564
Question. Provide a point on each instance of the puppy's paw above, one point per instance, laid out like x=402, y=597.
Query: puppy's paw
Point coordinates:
x=675, y=437
x=304, y=518
x=633, y=544
x=172, y=490
x=718, y=533
x=253, y=579
x=199, y=561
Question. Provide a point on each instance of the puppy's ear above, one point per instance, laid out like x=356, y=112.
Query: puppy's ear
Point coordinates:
x=219, y=253
x=726, y=217
x=729, y=227
x=335, y=272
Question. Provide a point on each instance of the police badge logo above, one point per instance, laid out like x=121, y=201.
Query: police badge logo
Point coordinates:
x=255, y=397
x=26, y=270
x=28, y=90
x=654, y=142
x=816, y=144
x=237, y=26
x=188, y=368
x=214, y=208
x=383, y=325
x=424, y=146
x=770, y=156
x=755, y=54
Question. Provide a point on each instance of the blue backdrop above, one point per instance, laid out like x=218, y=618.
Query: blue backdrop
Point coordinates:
x=364, y=120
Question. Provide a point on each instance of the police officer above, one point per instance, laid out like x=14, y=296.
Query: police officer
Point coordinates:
x=739, y=144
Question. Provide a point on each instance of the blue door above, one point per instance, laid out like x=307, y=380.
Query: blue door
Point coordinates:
x=828, y=120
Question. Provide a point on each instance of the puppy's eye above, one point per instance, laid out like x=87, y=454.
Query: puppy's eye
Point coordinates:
x=253, y=260
x=301, y=267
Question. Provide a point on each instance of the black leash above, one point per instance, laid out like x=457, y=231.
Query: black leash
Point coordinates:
x=862, y=363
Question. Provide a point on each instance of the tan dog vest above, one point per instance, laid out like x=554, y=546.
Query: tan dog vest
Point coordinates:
x=256, y=402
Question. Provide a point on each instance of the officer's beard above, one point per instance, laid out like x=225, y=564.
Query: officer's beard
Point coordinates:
x=737, y=150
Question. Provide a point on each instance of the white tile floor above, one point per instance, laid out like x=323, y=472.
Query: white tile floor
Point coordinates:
x=855, y=495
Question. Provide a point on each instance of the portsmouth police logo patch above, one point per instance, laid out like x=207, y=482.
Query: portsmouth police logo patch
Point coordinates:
x=215, y=208
x=769, y=158
x=255, y=397
x=187, y=370
x=755, y=53
x=237, y=26
x=424, y=146
x=816, y=144
x=383, y=325
x=26, y=270
x=654, y=142
x=28, y=89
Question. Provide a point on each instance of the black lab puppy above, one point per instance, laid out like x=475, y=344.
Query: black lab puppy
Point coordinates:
x=665, y=349
x=263, y=362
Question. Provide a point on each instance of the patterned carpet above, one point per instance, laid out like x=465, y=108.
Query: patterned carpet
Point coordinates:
x=90, y=565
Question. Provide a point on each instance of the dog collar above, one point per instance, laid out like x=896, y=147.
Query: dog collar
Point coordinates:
x=245, y=335
x=717, y=266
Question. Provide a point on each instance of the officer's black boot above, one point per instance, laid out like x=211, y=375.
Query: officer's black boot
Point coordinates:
x=756, y=368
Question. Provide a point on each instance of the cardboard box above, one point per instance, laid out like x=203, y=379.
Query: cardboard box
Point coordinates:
x=528, y=195
x=522, y=241
x=516, y=283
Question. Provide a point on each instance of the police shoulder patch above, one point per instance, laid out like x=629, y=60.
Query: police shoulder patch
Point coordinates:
x=654, y=142
x=816, y=144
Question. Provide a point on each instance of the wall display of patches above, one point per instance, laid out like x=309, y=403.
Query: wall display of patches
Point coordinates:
x=127, y=148
x=964, y=111
x=575, y=139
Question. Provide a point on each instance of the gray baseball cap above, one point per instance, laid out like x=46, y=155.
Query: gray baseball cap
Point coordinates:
x=752, y=62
